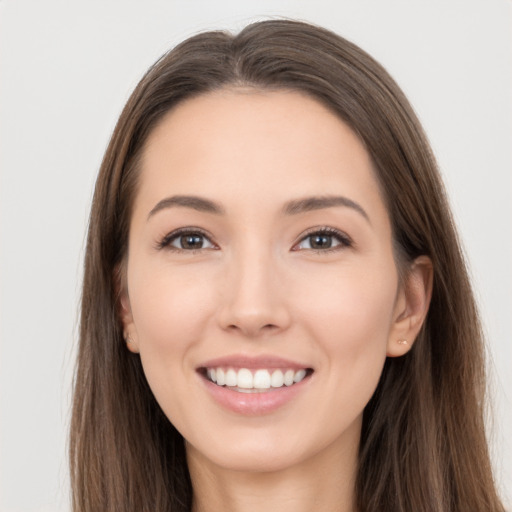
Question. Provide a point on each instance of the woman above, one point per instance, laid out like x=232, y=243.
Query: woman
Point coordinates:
x=276, y=311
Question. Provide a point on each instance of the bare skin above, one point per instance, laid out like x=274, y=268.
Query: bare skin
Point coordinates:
x=259, y=234
x=323, y=483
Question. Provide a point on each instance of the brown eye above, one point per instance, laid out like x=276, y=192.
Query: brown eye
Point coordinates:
x=194, y=241
x=324, y=240
x=186, y=240
x=320, y=241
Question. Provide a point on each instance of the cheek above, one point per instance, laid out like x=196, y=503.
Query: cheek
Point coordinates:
x=351, y=315
x=351, y=323
x=169, y=309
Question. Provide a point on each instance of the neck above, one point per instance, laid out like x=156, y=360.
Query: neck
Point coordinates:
x=324, y=483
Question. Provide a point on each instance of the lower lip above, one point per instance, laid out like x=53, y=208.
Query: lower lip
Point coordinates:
x=254, y=404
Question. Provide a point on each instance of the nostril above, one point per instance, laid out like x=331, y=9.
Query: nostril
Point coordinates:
x=266, y=327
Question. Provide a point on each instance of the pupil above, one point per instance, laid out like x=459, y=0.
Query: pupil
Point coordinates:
x=191, y=241
x=321, y=241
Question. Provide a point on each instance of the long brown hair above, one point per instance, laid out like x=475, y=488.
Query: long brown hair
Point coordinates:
x=423, y=445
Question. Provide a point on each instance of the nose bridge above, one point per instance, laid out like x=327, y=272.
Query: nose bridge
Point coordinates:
x=253, y=301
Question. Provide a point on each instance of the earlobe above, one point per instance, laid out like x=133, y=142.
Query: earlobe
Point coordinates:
x=129, y=332
x=130, y=344
x=125, y=312
x=412, y=307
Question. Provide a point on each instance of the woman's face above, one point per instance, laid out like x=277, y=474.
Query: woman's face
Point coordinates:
x=260, y=257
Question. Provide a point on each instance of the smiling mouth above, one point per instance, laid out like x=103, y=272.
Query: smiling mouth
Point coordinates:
x=262, y=380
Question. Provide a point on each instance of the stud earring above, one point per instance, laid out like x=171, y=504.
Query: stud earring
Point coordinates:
x=127, y=338
x=402, y=342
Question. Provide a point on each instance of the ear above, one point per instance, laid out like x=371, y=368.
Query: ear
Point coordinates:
x=125, y=310
x=411, y=307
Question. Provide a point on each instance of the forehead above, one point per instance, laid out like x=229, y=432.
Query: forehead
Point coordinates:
x=244, y=145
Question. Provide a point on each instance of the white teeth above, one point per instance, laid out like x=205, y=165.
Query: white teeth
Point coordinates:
x=221, y=379
x=244, y=379
x=261, y=379
x=277, y=379
x=231, y=378
x=298, y=376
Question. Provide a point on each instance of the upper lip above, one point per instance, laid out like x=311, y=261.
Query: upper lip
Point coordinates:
x=253, y=362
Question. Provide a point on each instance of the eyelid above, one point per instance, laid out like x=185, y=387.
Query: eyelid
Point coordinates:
x=343, y=238
x=165, y=242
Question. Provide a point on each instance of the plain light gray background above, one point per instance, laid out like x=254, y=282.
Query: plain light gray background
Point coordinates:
x=67, y=67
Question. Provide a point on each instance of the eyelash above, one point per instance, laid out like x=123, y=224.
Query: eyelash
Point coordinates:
x=166, y=242
x=342, y=238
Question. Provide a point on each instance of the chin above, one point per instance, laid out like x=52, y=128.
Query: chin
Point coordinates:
x=253, y=451
x=255, y=460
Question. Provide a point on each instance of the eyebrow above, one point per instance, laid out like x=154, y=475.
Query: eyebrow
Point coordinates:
x=308, y=204
x=293, y=207
x=194, y=202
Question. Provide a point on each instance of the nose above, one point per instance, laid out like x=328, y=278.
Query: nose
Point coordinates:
x=254, y=301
